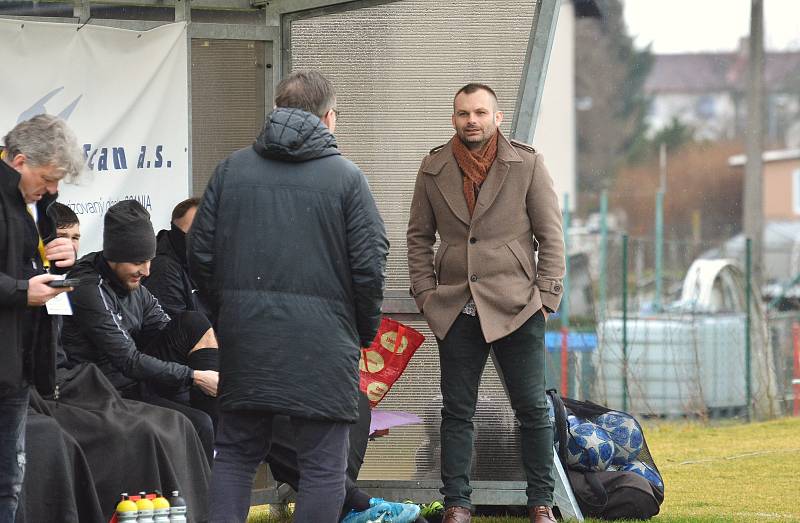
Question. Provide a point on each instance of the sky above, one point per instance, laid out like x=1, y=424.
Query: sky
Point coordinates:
x=680, y=26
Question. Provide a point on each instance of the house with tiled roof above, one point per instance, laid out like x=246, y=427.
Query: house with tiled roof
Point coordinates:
x=708, y=91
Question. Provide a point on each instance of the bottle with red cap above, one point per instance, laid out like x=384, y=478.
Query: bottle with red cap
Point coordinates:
x=127, y=512
x=160, y=508
x=145, y=507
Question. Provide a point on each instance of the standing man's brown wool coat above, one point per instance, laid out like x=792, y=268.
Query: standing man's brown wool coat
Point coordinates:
x=490, y=257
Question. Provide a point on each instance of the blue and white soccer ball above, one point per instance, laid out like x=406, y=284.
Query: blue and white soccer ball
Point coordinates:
x=646, y=472
x=626, y=433
x=589, y=447
x=573, y=420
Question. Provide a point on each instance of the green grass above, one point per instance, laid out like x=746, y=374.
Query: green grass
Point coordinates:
x=714, y=473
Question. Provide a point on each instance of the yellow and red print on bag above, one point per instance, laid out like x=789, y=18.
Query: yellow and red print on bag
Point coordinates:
x=384, y=361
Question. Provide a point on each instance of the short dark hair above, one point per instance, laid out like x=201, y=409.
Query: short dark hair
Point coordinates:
x=182, y=208
x=308, y=90
x=65, y=217
x=472, y=87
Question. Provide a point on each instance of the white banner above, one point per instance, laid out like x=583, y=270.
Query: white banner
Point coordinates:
x=124, y=93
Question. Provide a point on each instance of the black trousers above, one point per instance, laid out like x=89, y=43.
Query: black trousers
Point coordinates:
x=462, y=356
x=282, y=457
x=245, y=437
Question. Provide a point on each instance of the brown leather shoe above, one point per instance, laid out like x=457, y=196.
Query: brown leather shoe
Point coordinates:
x=541, y=514
x=457, y=515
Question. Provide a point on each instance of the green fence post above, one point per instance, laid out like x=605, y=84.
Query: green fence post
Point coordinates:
x=659, y=248
x=748, y=272
x=603, y=253
x=625, y=322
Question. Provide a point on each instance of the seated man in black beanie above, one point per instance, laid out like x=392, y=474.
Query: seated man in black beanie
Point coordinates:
x=118, y=325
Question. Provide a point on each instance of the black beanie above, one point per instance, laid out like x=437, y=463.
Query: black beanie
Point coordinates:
x=128, y=234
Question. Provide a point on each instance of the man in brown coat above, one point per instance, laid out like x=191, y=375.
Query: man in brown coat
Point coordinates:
x=492, y=203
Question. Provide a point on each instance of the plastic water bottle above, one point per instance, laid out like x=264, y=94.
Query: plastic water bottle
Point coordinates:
x=177, y=508
x=145, y=507
x=126, y=510
x=160, y=509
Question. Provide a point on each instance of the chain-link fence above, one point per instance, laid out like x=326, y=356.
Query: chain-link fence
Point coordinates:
x=665, y=330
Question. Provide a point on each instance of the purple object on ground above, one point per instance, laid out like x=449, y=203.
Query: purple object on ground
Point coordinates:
x=384, y=419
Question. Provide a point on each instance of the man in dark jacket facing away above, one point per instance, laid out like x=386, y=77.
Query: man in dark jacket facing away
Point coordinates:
x=119, y=326
x=38, y=154
x=289, y=244
x=170, y=283
x=169, y=279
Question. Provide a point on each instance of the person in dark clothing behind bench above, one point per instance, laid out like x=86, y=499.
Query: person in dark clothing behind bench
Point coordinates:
x=169, y=279
x=38, y=154
x=289, y=244
x=118, y=325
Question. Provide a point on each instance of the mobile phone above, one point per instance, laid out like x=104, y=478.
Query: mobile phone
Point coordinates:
x=69, y=282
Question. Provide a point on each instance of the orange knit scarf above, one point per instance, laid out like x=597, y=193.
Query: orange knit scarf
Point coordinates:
x=474, y=165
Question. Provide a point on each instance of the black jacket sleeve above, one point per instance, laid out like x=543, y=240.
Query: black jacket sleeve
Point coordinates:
x=200, y=240
x=166, y=284
x=368, y=248
x=93, y=312
x=13, y=292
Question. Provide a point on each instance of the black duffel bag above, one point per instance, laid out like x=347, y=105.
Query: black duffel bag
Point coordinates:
x=605, y=494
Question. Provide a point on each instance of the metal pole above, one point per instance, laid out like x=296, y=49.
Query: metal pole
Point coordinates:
x=534, y=70
x=753, y=207
x=565, y=304
x=748, y=271
x=625, y=322
x=603, y=254
x=659, y=247
x=796, y=369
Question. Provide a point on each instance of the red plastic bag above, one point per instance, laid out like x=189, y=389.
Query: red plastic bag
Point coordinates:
x=386, y=358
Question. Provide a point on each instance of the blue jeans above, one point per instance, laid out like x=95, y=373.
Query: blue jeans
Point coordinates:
x=243, y=441
x=13, y=413
x=520, y=355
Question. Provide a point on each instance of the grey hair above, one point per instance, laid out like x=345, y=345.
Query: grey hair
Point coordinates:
x=46, y=140
x=308, y=90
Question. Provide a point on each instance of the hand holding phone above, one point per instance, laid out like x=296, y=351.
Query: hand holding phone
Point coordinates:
x=69, y=282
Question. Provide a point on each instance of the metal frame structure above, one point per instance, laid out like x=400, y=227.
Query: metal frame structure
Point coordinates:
x=274, y=27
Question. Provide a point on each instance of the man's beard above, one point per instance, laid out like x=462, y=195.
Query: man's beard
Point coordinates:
x=476, y=142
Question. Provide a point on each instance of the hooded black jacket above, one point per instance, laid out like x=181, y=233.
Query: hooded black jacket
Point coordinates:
x=169, y=279
x=19, y=363
x=288, y=241
x=106, y=321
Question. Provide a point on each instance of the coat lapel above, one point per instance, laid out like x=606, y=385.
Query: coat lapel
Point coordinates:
x=496, y=177
x=447, y=177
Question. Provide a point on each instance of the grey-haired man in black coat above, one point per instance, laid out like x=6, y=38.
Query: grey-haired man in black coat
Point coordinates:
x=289, y=244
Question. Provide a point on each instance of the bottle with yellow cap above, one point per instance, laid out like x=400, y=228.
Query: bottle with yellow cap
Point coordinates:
x=126, y=510
x=160, y=508
x=145, y=507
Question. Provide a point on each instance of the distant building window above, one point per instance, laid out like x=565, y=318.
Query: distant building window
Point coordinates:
x=705, y=107
x=796, y=191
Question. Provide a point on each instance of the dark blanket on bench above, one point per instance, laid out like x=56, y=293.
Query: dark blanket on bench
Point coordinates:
x=129, y=446
x=59, y=484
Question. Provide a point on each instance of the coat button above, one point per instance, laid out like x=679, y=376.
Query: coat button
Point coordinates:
x=556, y=288
x=474, y=277
x=473, y=239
